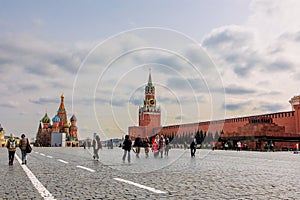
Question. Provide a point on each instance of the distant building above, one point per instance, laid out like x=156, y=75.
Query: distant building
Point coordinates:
x=59, y=124
x=278, y=130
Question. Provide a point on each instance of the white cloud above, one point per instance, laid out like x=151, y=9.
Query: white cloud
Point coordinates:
x=272, y=18
x=261, y=55
x=10, y=104
x=37, y=56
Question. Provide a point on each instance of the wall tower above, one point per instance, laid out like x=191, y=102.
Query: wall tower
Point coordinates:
x=295, y=103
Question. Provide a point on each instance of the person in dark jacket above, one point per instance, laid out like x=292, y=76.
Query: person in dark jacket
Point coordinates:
x=193, y=147
x=138, y=143
x=23, y=145
x=127, y=147
x=146, y=144
x=167, y=146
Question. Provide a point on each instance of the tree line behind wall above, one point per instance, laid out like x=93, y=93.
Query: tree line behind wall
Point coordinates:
x=201, y=137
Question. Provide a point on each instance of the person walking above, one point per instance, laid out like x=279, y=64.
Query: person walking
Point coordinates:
x=296, y=148
x=226, y=146
x=23, y=146
x=239, y=146
x=146, y=146
x=127, y=144
x=193, y=147
x=11, y=145
x=162, y=145
x=138, y=143
x=155, y=146
x=96, y=146
x=167, y=146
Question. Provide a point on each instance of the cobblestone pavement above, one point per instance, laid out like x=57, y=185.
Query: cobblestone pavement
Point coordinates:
x=71, y=173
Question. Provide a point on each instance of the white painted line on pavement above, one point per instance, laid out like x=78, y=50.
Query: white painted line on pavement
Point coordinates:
x=36, y=183
x=49, y=156
x=42, y=154
x=36, y=152
x=141, y=186
x=63, y=161
x=89, y=169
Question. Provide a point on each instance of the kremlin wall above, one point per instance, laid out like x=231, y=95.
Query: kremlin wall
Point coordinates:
x=281, y=129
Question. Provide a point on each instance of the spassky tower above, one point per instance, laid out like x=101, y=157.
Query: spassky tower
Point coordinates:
x=149, y=113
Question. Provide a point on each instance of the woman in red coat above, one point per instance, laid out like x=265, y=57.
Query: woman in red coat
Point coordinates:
x=155, y=146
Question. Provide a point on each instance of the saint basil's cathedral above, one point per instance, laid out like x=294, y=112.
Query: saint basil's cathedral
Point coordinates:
x=281, y=130
x=59, y=125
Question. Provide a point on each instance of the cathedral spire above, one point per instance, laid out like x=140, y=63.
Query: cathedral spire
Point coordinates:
x=62, y=104
x=62, y=113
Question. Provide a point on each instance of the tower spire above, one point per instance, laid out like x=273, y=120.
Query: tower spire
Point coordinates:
x=150, y=78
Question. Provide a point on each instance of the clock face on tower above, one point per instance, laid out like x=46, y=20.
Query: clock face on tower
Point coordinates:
x=151, y=102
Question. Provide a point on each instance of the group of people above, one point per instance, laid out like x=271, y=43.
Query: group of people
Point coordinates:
x=159, y=145
x=12, y=145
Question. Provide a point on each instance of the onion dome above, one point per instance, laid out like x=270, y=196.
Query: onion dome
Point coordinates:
x=66, y=125
x=46, y=119
x=55, y=119
x=73, y=118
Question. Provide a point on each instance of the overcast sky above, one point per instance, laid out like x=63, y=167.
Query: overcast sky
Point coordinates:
x=210, y=59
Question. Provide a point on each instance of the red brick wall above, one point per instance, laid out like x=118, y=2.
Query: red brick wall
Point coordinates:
x=286, y=119
x=136, y=130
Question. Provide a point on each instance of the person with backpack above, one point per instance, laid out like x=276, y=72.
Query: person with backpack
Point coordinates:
x=11, y=145
x=24, y=142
